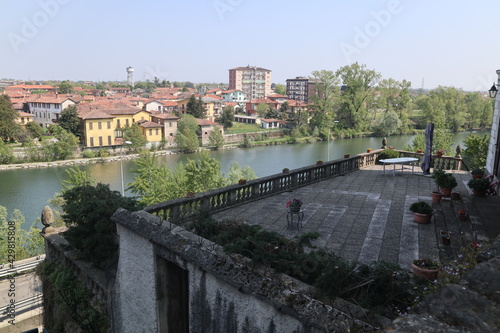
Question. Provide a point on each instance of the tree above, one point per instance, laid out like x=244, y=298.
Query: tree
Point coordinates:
x=358, y=93
x=87, y=213
x=475, y=152
x=236, y=173
x=34, y=129
x=63, y=148
x=187, y=137
x=390, y=123
x=323, y=102
x=227, y=117
x=134, y=135
x=6, y=154
x=188, y=85
x=69, y=120
x=203, y=174
x=395, y=96
x=9, y=129
x=195, y=107
x=216, y=139
x=66, y=87
x=262, y=110
x=280, y=89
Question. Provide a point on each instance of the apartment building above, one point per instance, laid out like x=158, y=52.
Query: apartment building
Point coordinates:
x=301, y=89
x=254, y=81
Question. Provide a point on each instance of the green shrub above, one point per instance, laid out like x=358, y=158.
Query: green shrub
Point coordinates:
x=386, y=154
x=103, y=153
x=421, y=207
x=88, y=153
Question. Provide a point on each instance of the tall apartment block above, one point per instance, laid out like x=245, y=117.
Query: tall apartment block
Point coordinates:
x=301, y=88
x=255, y=82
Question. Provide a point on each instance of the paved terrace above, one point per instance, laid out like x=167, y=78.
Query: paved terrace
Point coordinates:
x=364, y=215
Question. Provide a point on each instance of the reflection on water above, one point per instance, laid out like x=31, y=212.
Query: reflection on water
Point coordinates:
x=29, y=189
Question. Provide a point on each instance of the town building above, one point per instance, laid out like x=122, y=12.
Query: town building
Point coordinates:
x=254, y=81
x=301, y=88
x=169, y=123
x=47, y=109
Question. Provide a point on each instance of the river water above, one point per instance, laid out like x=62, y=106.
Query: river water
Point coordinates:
x=30, y=189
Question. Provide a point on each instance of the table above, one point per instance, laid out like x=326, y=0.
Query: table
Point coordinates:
x=289, y=218
x=402, y=161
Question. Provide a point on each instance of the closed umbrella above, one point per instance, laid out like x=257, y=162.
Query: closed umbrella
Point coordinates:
x=426, y=161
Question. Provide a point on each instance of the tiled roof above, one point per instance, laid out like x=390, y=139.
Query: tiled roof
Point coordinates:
x=269, y=120
x=165, y=116
x=149, y=124
x=205, y=122
x=31, y=86
x=250, y=67
x=263, y=100
x=24, y=114
x=94, y=114
x=276, y=96
x=56, y=99
x=111, y=108
x=214, y=97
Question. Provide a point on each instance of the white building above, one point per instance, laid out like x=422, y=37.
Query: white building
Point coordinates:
x=46, y=110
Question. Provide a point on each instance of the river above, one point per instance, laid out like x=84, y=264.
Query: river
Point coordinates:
x=30, y=189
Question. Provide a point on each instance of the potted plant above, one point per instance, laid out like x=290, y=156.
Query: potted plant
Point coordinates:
x=347, y=155
x=242, y=181
x=189, y=194
x=445, y=181
x=477, y=173
x=294, y=205
x=285, y=170
x=440, y=152
x=319, y=162
x=422, y=212
x=479, y=186
x=426, y=268
x=419, y=151
x=445, y=237
x=462, y=214
x=436, y=196
x=369, y=150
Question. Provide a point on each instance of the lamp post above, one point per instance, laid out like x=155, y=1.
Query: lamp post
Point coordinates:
x=493, y=91
x=121, y=166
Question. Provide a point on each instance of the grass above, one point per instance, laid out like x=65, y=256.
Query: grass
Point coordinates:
x=238, y=128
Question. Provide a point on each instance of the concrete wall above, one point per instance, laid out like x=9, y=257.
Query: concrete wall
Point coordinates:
x=225, y=294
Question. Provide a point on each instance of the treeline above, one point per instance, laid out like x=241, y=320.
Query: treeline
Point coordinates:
x=355, y=100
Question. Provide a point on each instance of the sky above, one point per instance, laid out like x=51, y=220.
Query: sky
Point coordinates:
x=427, y=42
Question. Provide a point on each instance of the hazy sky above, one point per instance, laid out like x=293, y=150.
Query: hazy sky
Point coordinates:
x=450, y=43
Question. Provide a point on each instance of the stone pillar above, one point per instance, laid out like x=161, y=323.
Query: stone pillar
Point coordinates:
x=492, y=147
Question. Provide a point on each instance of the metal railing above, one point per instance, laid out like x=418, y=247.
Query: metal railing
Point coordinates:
x=20, y=266
x=25, y=303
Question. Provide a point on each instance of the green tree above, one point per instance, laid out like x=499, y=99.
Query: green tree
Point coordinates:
x=236, y=173
x=479, y=111
x=6, y=154
x=203, y=174
x=187, y=137
x=188, y=85
x=389, y=124
x=359, y=86
x=66, y=87
x=62, y=148
x=195, y=107
x=147, y=86
x=227, y=117
x=396, y=96
x=28, y=242
x=69, y=120
x=134, y=135
x=9, y=129
x=280, y=89
x=323, y=102
x=87, y=213
x=34, y=129
x=262, y=110
x=216, y=139
x=476, y=151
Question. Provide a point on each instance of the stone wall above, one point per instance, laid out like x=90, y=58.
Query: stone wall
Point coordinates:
x=225, y=293
x=471, y=306
x=236, y=138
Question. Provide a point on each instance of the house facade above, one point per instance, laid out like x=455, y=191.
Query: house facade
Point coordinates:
x=254, y=81
x=301, y=89
x=169, y=123
x=46, y=110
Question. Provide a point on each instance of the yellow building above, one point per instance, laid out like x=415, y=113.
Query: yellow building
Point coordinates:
x=152, y=131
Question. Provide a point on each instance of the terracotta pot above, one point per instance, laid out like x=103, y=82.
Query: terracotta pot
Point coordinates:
x=446, y=192
x=479, y=193
x=436, y=196
x=429, y=274
x=445, y=237
x=421, y=218
x=455, y=196
x=190, y=195
x=439, y=154
x=368, y=150
x=477, y=176
x=462, y=217
x=242, y=182
x=420, y=151
x=347, y=155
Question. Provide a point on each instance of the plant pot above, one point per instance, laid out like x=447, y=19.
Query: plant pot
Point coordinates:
x=319, y=163
x=477, y=176
x=446, y=192
x=436, y=196
x=439, y=154
x=420, y=151
x=462, y=217
x=347, y=155
x=242, y=182
x=285, y=170
x=294, y=209
x=368, y=150
x=190, y=195
x=429, y=274
x=479, y=193
x=455, y=196
x=422, y=218
x=445, y=237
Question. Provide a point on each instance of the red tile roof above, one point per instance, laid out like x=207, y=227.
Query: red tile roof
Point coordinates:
x=164, y=116
x=149, y=124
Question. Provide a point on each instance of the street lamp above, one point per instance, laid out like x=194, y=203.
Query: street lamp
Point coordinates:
x=493, y=91
x=121, y=166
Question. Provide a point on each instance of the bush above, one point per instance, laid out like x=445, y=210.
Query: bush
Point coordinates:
x=387, y=153
x=88, y=153
x=421, y=207
x=103, y=153
x=444, y=180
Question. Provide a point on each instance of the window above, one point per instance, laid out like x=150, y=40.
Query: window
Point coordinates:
x=109, y=124
x=156, y=132
x=171, y=134
x=150, y=131
x=126, y=122
x=169, y=124
x=100, y=141
x=91, y=141
x=91, y=126
x=118, y=123
x=109, y=140
x=99, y=125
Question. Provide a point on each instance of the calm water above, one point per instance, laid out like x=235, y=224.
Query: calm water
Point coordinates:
x=29, y=189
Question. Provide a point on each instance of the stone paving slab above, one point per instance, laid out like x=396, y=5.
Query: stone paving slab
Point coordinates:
x=364, y=215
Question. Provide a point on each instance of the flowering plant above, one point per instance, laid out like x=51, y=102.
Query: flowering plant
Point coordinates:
x=426, y=263
x=294, y=203
x=461, y=212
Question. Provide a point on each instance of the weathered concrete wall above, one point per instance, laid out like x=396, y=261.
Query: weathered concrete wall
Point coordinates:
x=225, y=293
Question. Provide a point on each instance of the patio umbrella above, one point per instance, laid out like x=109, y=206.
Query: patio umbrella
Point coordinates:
x=426, y=161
